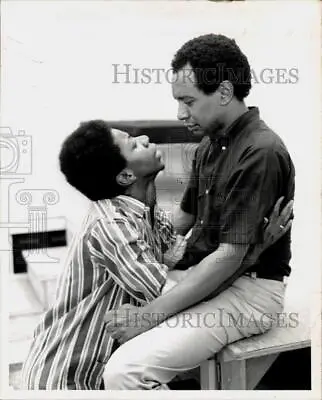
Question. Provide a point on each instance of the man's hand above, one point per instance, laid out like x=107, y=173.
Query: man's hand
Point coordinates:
x=278, y=223
x=127, y=322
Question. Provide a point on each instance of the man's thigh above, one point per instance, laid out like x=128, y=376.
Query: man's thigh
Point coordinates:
x=179, y=344
x=185, y=340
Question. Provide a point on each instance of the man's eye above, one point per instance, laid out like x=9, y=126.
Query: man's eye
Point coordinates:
x=189, y=103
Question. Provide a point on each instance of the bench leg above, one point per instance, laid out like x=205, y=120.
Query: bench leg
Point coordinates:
x=208, y=375
x=233, y=375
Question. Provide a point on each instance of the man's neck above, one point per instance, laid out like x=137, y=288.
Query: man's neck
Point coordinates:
x=235, y=112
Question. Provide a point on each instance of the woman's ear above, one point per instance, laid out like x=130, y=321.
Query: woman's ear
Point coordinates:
x=126, y=177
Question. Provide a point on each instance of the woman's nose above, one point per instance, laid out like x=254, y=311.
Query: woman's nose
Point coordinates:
x=144, y=140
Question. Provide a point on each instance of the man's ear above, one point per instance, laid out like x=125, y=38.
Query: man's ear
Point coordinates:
x=126, y=177
x=226, y=90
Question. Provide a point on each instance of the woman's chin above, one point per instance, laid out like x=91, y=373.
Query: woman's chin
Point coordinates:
x=161, y=166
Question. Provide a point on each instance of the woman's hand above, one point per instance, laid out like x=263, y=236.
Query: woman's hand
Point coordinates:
x=278, y=223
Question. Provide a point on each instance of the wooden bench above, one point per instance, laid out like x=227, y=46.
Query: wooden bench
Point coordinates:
x=241, y=365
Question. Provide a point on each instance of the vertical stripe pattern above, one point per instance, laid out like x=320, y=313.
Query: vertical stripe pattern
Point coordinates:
x=116, y=258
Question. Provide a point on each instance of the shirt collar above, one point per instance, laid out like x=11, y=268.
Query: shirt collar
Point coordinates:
x=237, y=126
x=137, y=207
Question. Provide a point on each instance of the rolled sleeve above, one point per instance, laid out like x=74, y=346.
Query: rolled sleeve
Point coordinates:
x=119, y=248
x=251, y=192
x=189, y=203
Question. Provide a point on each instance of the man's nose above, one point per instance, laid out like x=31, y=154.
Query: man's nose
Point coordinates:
x=183, y=113
x=144, y=140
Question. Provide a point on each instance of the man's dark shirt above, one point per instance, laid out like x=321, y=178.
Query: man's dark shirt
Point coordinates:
x=235, y=182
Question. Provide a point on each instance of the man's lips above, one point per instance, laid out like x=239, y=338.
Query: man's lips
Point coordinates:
x=193, y=127
x=190, y=126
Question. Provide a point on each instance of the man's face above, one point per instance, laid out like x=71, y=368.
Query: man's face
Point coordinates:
x=142, y=157
x=199, y=112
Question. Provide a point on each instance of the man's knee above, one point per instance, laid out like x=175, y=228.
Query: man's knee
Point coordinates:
x=118, y=374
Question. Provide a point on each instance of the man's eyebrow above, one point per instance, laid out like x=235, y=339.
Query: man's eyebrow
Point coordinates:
x=184, y=97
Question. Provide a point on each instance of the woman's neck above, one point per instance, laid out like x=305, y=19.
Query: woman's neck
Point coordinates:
x=144, y=191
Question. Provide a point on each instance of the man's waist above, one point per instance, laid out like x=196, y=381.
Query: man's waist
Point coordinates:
x=271, y=268
x=277, y=276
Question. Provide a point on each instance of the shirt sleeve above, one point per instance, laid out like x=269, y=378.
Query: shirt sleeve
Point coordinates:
x=118, y=247
x=251, y=192
x=165, y=228
x=189, y=202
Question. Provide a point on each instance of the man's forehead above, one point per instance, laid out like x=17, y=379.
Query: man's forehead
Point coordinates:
x=185, y=76
x=184, y=83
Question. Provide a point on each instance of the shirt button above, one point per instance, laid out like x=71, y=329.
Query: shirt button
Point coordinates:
x=201, y=221
x=223, y=148
x=207, y=191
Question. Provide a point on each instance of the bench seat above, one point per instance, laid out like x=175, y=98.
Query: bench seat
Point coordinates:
x=242, y=364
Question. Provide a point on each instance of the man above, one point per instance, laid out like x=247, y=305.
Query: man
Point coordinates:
x=117, y=258
x=240, y=169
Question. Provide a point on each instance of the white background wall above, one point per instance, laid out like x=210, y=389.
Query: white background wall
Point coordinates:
x=57, y=71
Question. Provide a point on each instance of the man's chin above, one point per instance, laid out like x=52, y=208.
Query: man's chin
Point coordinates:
x=197, y=131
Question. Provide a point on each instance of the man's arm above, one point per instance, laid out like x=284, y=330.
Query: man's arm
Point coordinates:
x=200, y=282
x=182, y=221
x=220, y=269
x=185, y=214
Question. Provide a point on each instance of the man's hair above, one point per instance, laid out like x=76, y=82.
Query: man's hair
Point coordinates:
x=90, y=160
x=215, y=58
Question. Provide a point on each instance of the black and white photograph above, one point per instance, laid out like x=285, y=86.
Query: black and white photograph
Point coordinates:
x=160, y=214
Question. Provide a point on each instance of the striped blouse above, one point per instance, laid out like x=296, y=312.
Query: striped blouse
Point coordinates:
x=115, y=259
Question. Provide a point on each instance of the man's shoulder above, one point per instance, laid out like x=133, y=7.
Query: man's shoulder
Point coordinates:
x=265, y=140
